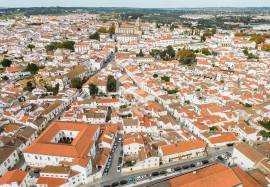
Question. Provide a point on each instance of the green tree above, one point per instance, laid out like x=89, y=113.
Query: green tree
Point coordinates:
x=111, y=84
x=95, y=36
x=266, y=47
x=258, y=38
x=33, y=68
x=31, y=47
x=56, y=89
x=112, y=29
x=6, y=62
x=264, y=134
x=93, y=89
x=102, y=30
x=67, y=45
x=60, y=45
x=170, y=51
x=76, y=83
x=140, y=54
x=29, y=87
x=245, y=51
x=206, y=51
x=213, y=128
x=165, y=78
x=155, y=75
x=186, y=57
x=5, y=78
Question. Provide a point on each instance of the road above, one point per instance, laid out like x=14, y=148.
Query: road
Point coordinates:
x=113, y=169
x=108, y=180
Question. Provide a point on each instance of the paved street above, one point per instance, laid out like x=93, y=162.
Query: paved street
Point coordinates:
x=114, y=176
x=113, y=169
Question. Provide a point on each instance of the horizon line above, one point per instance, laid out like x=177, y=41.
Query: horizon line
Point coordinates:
x=242, y=7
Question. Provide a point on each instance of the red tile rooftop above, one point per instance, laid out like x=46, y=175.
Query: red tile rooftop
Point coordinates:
x=78, y=148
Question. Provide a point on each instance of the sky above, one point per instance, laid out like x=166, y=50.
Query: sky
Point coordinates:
x=136, y=3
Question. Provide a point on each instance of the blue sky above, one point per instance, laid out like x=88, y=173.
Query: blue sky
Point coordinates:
x=136, y=3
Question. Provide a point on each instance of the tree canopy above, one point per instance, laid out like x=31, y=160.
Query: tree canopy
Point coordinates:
x=186, y=56
x=95, y=36
x=266, y=47
x=33, y=68
x=54, y=90
x=206, y=51
x=76, y=83
x=29, y=87
x=31, y=46
x=93, y=89
x=140, y=54
x=60, y=45
x=166, y=54
x=111, y=84
x=6, y=62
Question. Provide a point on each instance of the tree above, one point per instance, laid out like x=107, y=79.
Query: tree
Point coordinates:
x=29, y=87
x=33, y=68
x=258, y=39
x=206, y=51
x=60, y=45
x=102, y=30
x=265, y=124
x=186, y=57
x=67, y=45
x=76, y=83
x=213, y=128
x=266, y=47
x=54, y=90
x=5, y=78
x=6, y=62
x=140, y=54
x=155, y=53
x=95, y=36
x=203, y=38
x=165, y=78
x=112, y=29
x=111, y=84
x=93, y=89
x=245, y=51
x=155, y=75
x=170, y=51
x=264, y=134
x=31, y=47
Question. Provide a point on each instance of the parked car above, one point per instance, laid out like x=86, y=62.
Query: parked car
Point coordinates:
x=115, y=184
x=123, y=182
x=177, y=168
x=162, y=172
x=155, y=173
x=185, y=167
x=131, y=180
x=220, y=158
x=205, y=161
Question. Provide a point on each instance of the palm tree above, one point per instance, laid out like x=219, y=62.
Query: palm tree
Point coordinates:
x=31, y=47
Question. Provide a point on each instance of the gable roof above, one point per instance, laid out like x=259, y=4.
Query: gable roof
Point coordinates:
x=208, y=177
